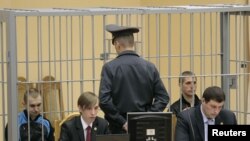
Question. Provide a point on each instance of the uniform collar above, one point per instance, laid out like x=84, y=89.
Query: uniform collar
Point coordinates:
x=127, y=52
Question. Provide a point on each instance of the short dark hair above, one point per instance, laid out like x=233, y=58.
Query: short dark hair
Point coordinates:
x=184, y=75
x=87, y=99
x=214, y=93
x=125, y=39
x=33, y=92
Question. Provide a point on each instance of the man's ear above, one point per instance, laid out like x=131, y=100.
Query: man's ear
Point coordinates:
x=79, y=107
x=202, y=100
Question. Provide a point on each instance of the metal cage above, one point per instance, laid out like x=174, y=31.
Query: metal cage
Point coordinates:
x=69, y=47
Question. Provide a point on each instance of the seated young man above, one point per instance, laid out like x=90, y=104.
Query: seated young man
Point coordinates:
x=188, y=85
x=85, y=126
x=31, y=124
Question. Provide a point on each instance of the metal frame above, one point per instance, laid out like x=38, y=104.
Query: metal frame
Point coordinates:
x=9, y=17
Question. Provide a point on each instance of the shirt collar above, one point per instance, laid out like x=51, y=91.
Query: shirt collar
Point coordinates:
x=205, y=119
x=128, y=52
x=84, y=124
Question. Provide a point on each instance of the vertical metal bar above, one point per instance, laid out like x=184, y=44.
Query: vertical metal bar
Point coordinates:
x=137, y=37
x=181, y=53
x=225, y=49
x=60, y=60
x=71, y=62
x=169, y=52
x=39, y=37
x=148, y=39
x=93, y=52
x=201, y=54
x=240, y=60
x=237, y=40
x=192, y=49
x=54, y=47
x=41, y=53
x=49, y=47
x=38, y=18
x=191, y=41
x=49, y=44
x=104, y=18
x=51, y=86
x=157, y=56
x=2, y=64
x=128, y=17
x=60, y=47
x=203, y=51
x=216, y=48
x=211, y=47
x=122, y=20
x=27, y=66
x=39, y=46
x=68, y=42
x=181, y=57
x=12, y=77
x=246, y=44
x=81, y=49
x=142, y=36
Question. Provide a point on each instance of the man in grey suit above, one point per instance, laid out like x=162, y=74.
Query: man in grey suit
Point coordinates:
x=192, y=124
x=76, y=129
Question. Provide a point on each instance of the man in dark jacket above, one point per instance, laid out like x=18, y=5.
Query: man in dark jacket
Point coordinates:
x=192, y=124
x=188, y=97
x=129, y=83
x=31, y=124
x=78, y=127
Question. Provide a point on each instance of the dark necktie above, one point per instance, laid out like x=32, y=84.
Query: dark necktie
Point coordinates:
x=88, y=138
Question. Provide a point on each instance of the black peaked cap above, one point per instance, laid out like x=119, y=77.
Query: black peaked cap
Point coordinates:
x=118, y=31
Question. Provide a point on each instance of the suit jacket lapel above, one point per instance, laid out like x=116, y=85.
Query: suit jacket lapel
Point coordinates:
x=94, y=129
x=199, y=119
x=218, y=120
x=79, y=128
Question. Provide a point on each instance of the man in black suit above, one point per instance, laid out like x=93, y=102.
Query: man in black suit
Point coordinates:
x=76, y=129
x=192, y=123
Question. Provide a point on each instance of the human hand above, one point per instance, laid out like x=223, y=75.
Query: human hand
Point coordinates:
x=185, y=108
x=125, y=126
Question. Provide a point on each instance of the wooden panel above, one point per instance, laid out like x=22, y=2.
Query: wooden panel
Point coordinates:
x=22, y=88
x=52, y=99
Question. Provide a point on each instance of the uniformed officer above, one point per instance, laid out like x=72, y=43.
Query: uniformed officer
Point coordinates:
x=129, y=83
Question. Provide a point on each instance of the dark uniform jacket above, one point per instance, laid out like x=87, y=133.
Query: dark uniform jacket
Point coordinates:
x=175, y=107
x=190, y=125
x=72, y=130
x=130, y=84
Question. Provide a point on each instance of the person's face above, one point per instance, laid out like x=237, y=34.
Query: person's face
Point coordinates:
x=34, y=106
x=89, y=114
x=188, y=86
x=212, y=108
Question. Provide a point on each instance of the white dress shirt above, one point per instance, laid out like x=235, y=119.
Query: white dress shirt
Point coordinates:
x=85, y=125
